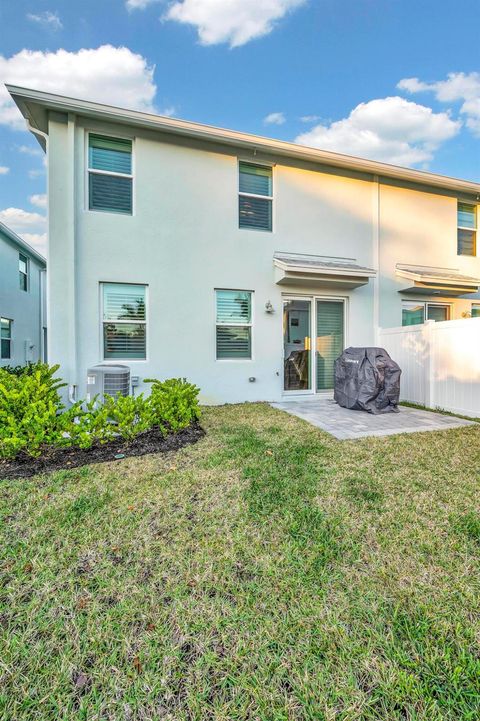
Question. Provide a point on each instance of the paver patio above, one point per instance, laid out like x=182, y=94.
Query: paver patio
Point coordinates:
x=345, y=424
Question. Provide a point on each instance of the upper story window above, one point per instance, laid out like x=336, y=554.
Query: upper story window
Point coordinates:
x=255, y=196
x=124, y=322
x=414, y=313
x=234, y=324
x=5, y=339
x=110, y=176
x=475, y=310
x=23, y=271
x=467, y=229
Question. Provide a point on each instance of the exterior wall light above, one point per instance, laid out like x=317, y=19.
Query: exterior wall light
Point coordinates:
x=269, y=307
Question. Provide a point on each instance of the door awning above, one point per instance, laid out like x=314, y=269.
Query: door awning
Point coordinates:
x=428, y=280
x=319, y=270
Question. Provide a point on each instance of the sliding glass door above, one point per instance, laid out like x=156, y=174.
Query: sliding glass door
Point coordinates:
x=313, y=337
x=297, y=345
x=330, y=321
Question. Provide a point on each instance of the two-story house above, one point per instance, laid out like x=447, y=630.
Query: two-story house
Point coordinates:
x=23, y=329
x=244, y=263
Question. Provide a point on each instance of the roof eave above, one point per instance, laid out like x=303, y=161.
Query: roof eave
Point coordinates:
x=27, y=99
x=22, y=243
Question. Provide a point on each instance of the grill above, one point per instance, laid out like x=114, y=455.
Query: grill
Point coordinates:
x=116, y=383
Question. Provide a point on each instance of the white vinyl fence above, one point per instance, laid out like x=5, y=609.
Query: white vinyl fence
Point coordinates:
x=440, y=363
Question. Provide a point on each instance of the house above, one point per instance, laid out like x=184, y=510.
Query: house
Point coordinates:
x=23, y=331
x=243, y=263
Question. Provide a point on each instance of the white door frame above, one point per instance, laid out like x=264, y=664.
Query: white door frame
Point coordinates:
x=312, y=391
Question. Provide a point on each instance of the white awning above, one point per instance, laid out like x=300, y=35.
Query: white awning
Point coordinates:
x=429, y=280
x=319, y=270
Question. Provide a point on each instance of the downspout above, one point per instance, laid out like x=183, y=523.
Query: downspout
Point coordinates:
x=376, y=256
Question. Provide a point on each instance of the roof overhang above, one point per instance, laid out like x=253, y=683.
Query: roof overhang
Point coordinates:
x=446, y=282
x=294, y=269
x=35, y=106
x=20, y=243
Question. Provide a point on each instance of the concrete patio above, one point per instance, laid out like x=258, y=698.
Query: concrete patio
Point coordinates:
x=345, y=424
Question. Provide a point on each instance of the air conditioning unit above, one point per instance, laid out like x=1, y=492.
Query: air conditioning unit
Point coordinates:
x=107, y=380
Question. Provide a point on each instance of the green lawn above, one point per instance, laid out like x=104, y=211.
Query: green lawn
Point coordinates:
x=267, y=573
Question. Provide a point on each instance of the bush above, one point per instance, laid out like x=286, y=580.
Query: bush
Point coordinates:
x=174, y=403
x=32, y=415
x=131, y=414
x=29, y=406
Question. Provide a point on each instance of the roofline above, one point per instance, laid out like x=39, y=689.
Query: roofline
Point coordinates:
x=333, y=270
x=25, y=98
x=22, y=243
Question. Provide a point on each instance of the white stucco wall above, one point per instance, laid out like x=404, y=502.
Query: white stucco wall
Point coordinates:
x=183, y=241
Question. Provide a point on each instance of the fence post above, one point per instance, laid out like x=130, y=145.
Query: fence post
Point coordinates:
x=428, y=331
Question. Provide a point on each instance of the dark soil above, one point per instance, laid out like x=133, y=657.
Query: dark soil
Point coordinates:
x=55, y=459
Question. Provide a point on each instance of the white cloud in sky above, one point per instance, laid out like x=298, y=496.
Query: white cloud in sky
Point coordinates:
x=35, y=173
x=29, y=150
x=275, y=119
x=39, y=200
x=4, y=170
x=309, y=118
x=391, y=130
x=107, y=74
x=458, y=87
x=47, y=19
x=139, y=4
x=29, y=226
x=235, y=22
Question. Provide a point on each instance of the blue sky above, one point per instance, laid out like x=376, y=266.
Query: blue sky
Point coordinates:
x=394, y=80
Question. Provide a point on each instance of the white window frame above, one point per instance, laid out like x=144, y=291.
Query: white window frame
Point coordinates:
x=27, y=273
x=146, y=323
x=426, y=304
x=10, y=325
x=88, y=170
x=471, y=230
x=240, y=325
x=271, y=197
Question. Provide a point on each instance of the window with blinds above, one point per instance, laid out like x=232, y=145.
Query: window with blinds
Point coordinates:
x=233, y=324
x=23, y=271
x=110, y=176
x=330, y=340
x=5, y=339
x=124, y=326
x=467, y=229
x=255, y=196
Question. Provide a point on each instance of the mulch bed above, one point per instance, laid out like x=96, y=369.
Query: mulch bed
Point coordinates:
x=55, y=459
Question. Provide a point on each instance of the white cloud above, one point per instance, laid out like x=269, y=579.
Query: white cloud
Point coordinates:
x=139, y=4
x=275, y=119
x=392, y=130
x=309, y=118
x=228, y=21
x=4, y=170
x=29, y=226
x=29, y=150
x=40, y=200
x=47, y=19
x=35, y=173
x=106, y=74
x=458, y=87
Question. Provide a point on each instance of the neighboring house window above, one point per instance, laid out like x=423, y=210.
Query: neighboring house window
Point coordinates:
x=467, y=229
x=124, y=326
x=23, y=271
x=415, y=313
x=5, y=339
x=109, y=174
x=234, y=324
x=475, y=310
x=256, y=196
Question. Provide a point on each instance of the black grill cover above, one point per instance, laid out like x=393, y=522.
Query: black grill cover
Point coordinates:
x=367, y=379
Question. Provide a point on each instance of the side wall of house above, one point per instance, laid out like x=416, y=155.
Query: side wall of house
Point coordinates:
x=23, y=308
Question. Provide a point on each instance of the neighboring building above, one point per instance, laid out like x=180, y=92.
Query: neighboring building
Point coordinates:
x=23, y=330
x=243, y=263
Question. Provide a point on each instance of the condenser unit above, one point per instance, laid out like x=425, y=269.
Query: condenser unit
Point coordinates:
x=108, y=380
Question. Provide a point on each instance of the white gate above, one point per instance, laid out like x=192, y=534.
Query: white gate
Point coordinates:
x=440, y=363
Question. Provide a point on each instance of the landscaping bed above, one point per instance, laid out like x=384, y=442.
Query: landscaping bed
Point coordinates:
x=54, y=459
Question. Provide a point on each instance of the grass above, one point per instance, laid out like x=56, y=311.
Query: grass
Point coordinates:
x=438, y=409
x=268, y=573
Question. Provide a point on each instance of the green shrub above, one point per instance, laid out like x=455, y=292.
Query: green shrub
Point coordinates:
x=29, y=406
x=131, y=414
x=174, y=403
x=86, y=423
